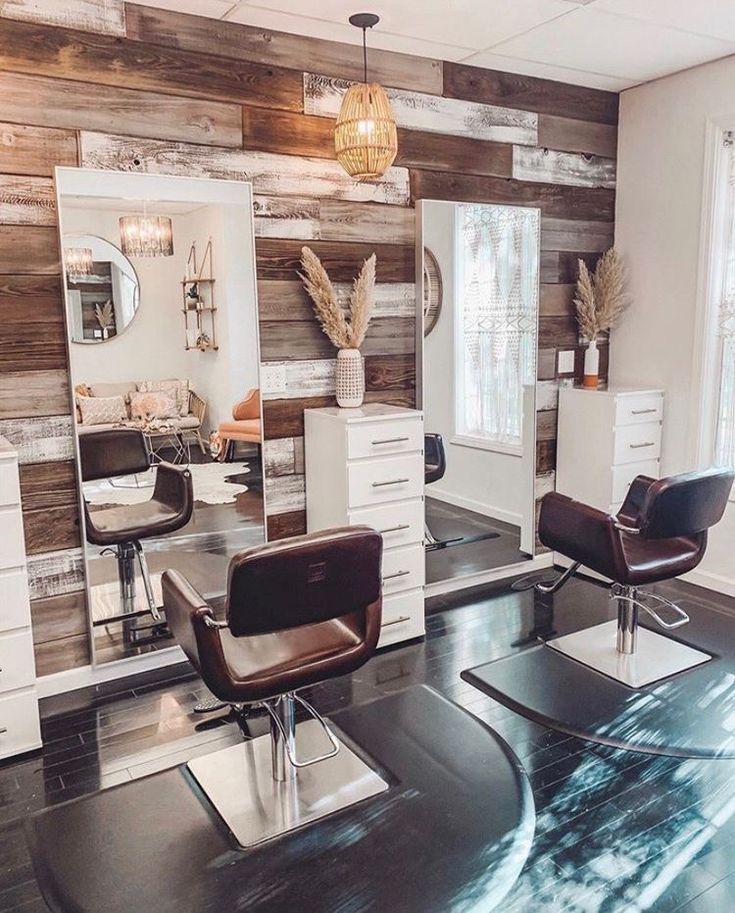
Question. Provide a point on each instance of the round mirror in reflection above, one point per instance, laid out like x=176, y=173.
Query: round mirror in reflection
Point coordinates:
x=102, y=288
x=433, y=291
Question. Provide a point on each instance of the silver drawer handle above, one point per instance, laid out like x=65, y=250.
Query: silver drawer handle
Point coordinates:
x=391, y=482
x=395, y=529
x=390, y=440
x=397, y=574
x=642, y=411
x=638, y=446
x=396, y=621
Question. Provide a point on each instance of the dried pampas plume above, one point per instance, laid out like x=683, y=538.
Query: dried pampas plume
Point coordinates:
x=600, y=298
x=103, y=313
x=343, y=333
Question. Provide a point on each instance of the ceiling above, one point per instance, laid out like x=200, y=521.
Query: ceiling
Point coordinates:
x=608, y=44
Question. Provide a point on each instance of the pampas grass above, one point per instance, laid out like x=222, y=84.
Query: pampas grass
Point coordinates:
x=103, y=313
x=343, y=333
x=600, y=299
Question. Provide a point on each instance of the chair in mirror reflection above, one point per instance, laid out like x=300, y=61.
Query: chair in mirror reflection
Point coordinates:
x=480, y=276
x=133, y=295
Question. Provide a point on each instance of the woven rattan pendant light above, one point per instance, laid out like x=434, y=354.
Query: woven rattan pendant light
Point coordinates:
x=365, y=137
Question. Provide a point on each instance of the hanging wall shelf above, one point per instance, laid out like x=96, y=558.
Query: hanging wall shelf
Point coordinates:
x=199, y=307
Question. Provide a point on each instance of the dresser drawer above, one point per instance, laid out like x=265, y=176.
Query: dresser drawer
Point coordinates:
x=16, y=609
x=637, y=443
x=403, y=569
x=403, y=617
x=17, y=669
x=378, y=481
x=9, y=486
x=12, y=543
x=622, y=476
x=401, y=523
x=634, y=410
x=19, y=725
x=385, y=438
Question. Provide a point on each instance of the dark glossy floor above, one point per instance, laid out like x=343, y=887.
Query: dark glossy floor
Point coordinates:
x=616, y=831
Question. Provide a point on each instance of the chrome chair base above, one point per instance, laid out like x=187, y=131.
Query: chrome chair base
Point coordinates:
x=240, y=784
x=656, y=656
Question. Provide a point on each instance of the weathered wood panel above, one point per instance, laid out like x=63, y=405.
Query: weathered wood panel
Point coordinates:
x=33, y=393
x=35, y=150
x=547, y=395
x=298, y=379
x=545, y=457
x=33, y=336
x=39, y=440
x=286, y=299
x=564, y=202
x=546, y=425
x=279, y=457
x=59, y=655
x=529, y=93
x=242, y=42
x=51, y=529
x=33, y=250
x=576, y=235
x=395, y=372
x=104, y=16
x=430, y=113
x=55, y=573
x=285, y=417
x=283, y=340
x=558, y=331
x=269, y=173
x=48, y=485
x=556, y=300
x=59, y=617
x=285, y=494
x=551, y=167
x=104, y=60
x=284, y=526
x=281, y=259
x=563, y=266
x=571, y=135
x=63, y=103
x=545, y=362
x=27, y=200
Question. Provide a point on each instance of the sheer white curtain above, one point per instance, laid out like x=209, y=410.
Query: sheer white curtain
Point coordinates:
x=496, y=307
x=725, y=429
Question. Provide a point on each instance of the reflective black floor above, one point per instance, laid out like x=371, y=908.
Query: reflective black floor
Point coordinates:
x=616, y=831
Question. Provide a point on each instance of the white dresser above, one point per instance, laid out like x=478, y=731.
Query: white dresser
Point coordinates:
x=366, y=466
x=605, y=439
x=19, y=721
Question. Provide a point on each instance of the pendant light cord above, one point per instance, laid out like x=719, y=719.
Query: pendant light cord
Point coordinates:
x=364, y=54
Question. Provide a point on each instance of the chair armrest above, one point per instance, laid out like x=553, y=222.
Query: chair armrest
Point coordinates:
x=197, y=406
x=582, y=533
x=248, y=407
x=629, y=513
x=174, y=489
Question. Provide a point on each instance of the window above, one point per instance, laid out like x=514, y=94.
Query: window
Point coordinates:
x=724, y=443
x=496, y=302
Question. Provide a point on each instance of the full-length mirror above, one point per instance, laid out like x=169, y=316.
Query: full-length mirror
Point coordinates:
x=480, y=285
x=167, y=411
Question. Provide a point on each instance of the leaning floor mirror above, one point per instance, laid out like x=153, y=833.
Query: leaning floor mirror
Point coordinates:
x=479, y=280
x=162, y=326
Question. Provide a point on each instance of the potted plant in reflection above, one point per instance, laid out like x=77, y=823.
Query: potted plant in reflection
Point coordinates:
x=346, y=331
x=599, y=302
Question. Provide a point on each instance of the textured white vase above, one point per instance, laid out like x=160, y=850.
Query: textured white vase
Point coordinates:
x=350, y=378
x=591, y=366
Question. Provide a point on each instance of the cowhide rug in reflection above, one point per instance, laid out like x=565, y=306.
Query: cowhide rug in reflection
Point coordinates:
x=214, y=483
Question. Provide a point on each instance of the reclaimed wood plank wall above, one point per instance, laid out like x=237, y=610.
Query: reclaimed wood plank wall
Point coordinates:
x=105, y=84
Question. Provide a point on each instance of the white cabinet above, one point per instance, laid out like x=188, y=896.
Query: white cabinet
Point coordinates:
x=366, y=466
x=19, y=720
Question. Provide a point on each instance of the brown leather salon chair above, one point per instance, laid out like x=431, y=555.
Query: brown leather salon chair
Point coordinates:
x=122, y=452
x=659, y=533
x=298, y=612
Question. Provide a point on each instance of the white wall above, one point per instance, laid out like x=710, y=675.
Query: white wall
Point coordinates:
x=481, y=480
x=660, y=192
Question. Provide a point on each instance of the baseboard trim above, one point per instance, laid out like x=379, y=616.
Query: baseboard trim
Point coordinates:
x=478, y=507
x=442, y=587
x=84, y=676
x=717, y=582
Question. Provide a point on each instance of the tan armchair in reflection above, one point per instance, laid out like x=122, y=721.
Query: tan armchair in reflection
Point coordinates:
x=245, y=425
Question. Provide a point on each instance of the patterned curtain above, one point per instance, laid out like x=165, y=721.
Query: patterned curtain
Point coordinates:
x=497, y=309
x=725, y=430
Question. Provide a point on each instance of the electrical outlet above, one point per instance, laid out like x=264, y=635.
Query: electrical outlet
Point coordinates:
x=565, y=362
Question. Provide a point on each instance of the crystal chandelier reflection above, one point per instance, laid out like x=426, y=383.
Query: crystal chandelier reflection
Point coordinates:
x=78, y=262
x=146, y=236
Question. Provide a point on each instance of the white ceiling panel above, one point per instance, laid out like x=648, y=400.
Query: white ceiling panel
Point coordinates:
x=494, y=61
x=703, y=17
x=213, y=9
x=462, y=23
x=590, y=40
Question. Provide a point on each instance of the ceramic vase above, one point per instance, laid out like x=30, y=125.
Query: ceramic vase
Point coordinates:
x=350, y=378
x=591, y=366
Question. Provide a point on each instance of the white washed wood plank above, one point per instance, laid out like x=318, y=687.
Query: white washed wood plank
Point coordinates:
x=571, y=168
x=270, y=173
x=104, y=16
x=284, y=494
x=547, y=395
x=545, y=483
x=298, y=379
x=55, y=573
x=431, y=113
x=27, y=200
x=278, y=457
x=40, y=440
x=284, y=299
x=286, y=217
x=575, y=235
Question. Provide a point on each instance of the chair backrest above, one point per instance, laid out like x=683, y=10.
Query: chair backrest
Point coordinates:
x=686, y=504
x=117, y=452
x=435, y=460
x=304, y=580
